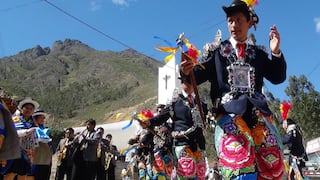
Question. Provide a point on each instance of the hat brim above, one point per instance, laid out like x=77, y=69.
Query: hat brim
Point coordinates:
x=39, y=113
x=236, y=8
x=28, y=101
x=160, y=105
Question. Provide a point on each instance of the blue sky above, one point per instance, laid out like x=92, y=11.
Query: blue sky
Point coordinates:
x=120, y=24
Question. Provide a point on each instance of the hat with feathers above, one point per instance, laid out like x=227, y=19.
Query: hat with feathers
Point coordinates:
x=245, y=6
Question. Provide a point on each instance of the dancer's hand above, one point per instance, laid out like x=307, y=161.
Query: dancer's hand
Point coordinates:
x=274, y=37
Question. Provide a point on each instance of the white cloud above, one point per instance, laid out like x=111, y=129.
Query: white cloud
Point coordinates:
x=95, y=5
x=317, y=21
x=122, y=2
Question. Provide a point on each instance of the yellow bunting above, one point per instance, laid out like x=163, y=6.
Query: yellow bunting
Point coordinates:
x=116, y=117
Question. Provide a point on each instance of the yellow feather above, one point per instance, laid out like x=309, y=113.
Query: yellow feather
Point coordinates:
x=250, y=3
x=167, y=49
x=168, y=58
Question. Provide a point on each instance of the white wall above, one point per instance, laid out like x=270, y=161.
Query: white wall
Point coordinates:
x=167, y=81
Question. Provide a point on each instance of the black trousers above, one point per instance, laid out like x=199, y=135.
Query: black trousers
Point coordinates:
x=111, y=172
x=42, y=172
x=91, y=169
x=85, y=170
x=62, y=170
x=101, y=172
x=78, y=171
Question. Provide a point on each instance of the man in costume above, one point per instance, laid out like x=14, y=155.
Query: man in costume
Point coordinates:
x=162, y=159
x=143, y=143
x=154, y=149
x=236, y=67
x=294, y=140
x=188, y=140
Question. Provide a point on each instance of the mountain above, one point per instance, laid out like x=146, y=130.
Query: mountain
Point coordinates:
x=74, y=82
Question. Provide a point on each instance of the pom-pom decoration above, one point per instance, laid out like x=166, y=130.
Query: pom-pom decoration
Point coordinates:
x=284, y=110
x=145, y=115
x=186, y=47
x=141, y=116
x=193, y=52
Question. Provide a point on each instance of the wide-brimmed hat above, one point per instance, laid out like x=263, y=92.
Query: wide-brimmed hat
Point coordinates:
x=241, y=6
x=161, y=105
x=290, y=121
x=28, y=100
x=39, y=112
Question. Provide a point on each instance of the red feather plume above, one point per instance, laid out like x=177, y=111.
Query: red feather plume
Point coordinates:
x=284, y=109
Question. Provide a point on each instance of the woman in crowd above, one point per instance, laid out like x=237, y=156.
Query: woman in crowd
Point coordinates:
x=24, y=123
x=41, y=166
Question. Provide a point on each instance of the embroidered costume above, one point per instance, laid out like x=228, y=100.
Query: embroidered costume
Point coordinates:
x=188, y=139
x=247, y=142
x=162, y=165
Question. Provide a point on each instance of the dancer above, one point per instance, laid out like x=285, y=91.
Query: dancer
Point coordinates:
x=236, y=68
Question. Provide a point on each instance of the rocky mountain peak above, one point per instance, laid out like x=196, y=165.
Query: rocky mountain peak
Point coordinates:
x=69, y=45
x=35, y=52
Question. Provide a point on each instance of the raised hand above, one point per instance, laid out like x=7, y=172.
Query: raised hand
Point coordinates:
x=274, y=37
